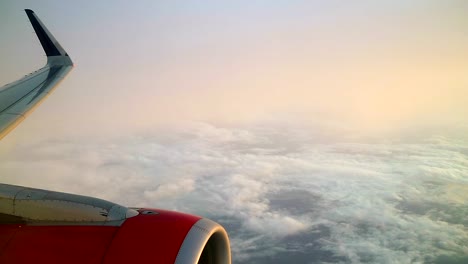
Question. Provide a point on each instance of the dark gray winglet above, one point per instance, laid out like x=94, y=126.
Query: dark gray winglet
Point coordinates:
x=48, y=42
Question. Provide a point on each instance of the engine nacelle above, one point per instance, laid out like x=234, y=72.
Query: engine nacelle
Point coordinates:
x=169, y=237
x=44, y=226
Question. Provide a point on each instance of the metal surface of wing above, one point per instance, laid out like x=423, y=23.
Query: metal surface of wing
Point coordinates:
x=19, y=98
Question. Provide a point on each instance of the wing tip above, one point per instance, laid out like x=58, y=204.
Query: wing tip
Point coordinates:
x=48, y=42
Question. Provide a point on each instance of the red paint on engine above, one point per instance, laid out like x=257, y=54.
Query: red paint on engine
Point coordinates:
x=151, y=238
x=6, y=234
x=56, y=244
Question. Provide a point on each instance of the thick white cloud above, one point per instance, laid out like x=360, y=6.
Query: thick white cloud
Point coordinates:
x=278, y=192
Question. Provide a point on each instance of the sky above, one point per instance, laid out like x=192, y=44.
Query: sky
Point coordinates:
x=327, y=131
x=364, y=65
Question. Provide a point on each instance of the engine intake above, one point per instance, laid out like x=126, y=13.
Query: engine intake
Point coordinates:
x=206, y=243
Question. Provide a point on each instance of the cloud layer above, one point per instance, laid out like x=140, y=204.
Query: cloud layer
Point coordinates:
x=283, y=194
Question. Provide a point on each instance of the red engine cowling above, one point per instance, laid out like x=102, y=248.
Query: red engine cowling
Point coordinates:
x=39, y=226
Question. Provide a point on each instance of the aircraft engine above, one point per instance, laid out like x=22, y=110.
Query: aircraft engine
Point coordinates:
x=40, y=225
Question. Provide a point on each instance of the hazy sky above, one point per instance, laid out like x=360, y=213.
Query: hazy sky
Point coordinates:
x=364, y=65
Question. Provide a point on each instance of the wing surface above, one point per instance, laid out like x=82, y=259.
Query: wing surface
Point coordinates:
x=19, y=98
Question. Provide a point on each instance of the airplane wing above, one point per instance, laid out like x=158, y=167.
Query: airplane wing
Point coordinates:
x=19, y=98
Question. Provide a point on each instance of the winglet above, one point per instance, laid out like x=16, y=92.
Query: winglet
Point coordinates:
x=48, y=42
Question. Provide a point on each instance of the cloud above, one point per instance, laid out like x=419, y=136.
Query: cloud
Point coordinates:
x=170, y=190
x=281, y=194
